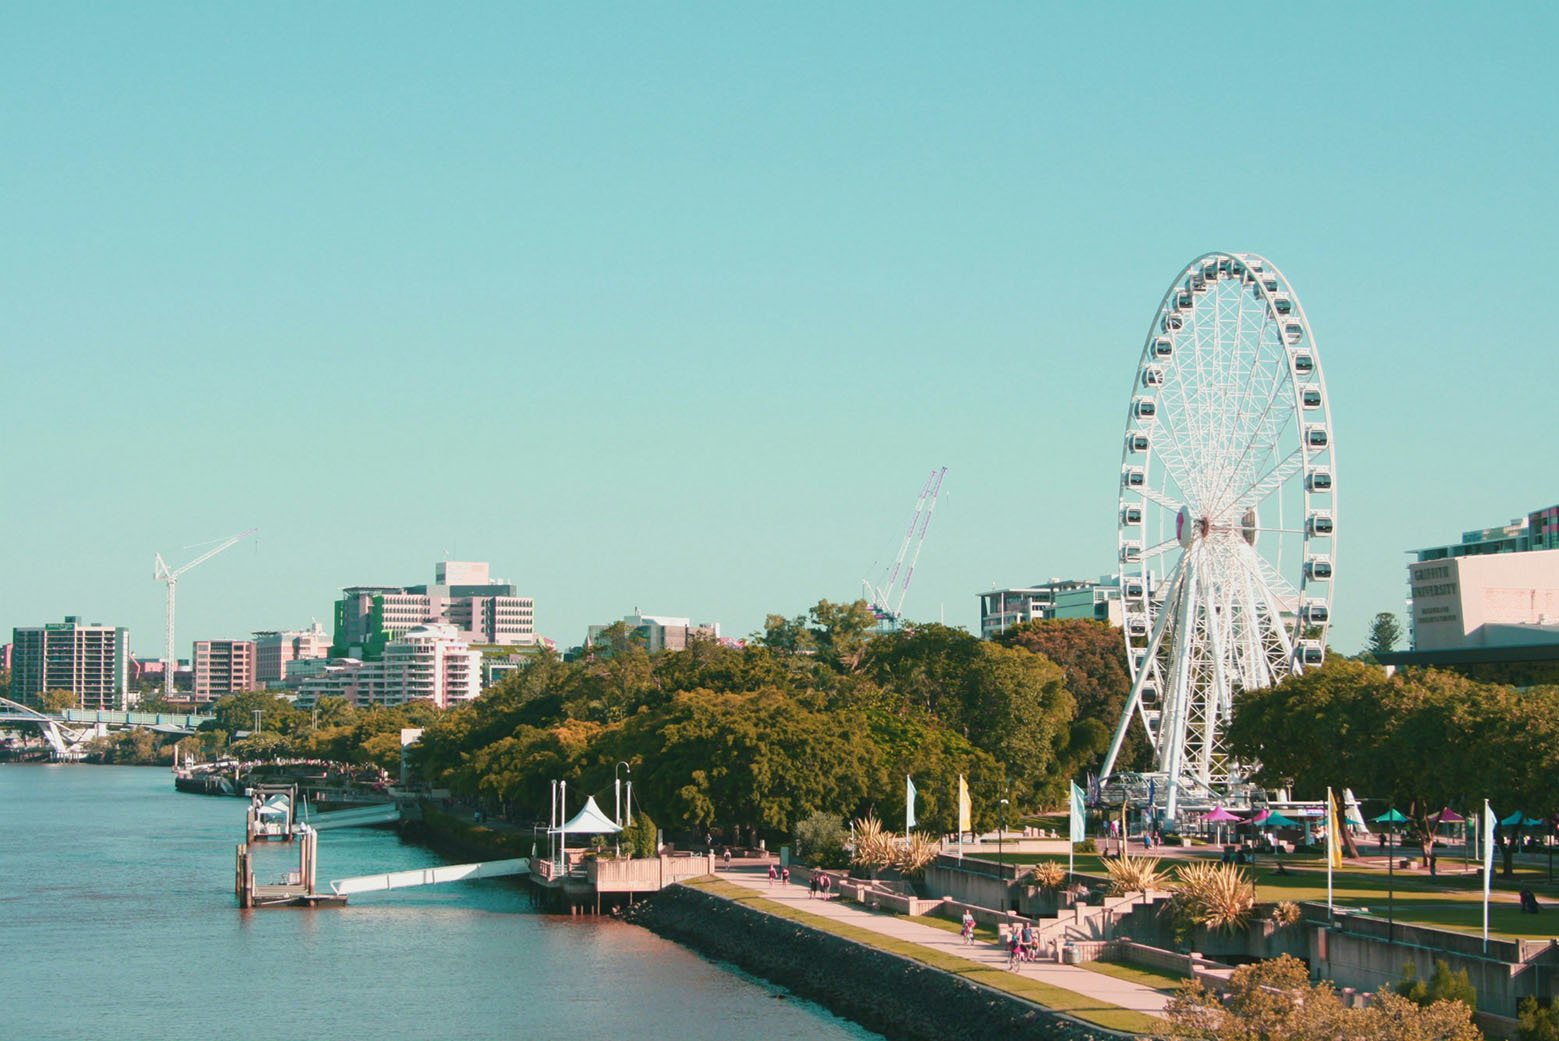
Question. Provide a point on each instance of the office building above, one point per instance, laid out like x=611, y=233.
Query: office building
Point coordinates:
x=90, y=661
x=658, y=632
x=274, y=649
x=430, y=663
x=486, y=611
x=1001, y=609
x=223, y=667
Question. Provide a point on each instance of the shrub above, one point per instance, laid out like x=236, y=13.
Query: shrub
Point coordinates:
x=1085, y=846
x=1048, y=875
x=1536, y=1023
x=916, y=852
x=1286, y=913
x=1220, y=897
x=1130, y=874
x=821, y=840
x=638, y=836
x=875, y=847
x=1442, y=985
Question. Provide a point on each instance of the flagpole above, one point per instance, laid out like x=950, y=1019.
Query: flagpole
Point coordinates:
x=1331, y=842
x=1488, y=866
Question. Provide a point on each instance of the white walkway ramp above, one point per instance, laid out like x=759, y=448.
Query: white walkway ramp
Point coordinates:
x=358, y=817
x=430, y=876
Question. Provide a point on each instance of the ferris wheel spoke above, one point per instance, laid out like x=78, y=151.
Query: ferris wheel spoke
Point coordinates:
x=1269, y=482
x=1162, y=547
x=1163, y=500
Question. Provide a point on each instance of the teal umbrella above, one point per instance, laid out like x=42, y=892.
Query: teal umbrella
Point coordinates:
x=1391, y=816
x=1277, y=820
x=1521, y=820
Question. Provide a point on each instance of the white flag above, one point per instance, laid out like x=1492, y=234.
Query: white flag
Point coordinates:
x=909, y=804
x=1076, y=819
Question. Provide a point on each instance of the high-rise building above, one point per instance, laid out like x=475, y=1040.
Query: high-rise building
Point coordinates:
x=223, y=667
x=274, y=649
x=91, y=661
x=484, y=610
x=430, y=663
x=1001, y=609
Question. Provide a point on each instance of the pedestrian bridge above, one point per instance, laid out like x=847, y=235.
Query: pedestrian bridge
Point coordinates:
x=357, y=817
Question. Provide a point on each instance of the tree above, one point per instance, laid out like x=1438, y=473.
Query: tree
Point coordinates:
x=57, y=701
x=1017, y=708
x=1536, y=1023
x=1092, y=657
x=820, y=840
x=842, y=631
x=1384, y=634
x=638, y=837
x=1443, y=985
x=1275, y=1001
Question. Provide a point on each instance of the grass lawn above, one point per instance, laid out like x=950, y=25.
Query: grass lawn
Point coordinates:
x=1111, y=1016
x=1147, y=976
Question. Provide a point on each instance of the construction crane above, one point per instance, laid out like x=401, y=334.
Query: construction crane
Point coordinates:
x=887, y=600
x=163, y=573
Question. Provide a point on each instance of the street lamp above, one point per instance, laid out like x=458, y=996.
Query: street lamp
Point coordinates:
x=617, y=803
x=1001, y=828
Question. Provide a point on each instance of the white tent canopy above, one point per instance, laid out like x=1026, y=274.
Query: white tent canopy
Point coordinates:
x=589, y=821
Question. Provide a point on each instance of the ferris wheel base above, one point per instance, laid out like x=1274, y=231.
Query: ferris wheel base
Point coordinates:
x=1193, y=797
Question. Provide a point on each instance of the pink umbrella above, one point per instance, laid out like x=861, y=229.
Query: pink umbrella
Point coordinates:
x=1263, y=815
x=1448, y=816
x=1219, y=815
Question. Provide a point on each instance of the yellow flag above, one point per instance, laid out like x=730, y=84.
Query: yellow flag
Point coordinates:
x=965, y=809
x=1333, y=831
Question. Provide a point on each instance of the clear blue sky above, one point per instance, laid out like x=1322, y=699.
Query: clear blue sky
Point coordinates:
x=675, y=306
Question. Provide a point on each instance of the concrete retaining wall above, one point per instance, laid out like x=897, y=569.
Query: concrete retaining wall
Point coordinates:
x=883, y=992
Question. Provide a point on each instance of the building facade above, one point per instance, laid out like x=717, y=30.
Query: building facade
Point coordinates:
x=430, y=663
x=463, y=595
x=658, y=632
x=274, y=649
x=223, y=667
x=90, y=661
x=1001, y=609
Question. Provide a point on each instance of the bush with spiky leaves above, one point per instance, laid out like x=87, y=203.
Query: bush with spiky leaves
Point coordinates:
x=875, y=847
x=916, y=852
x=1130, y=874
x=1219, y=897
x=1048, y=875
x=1286, y=912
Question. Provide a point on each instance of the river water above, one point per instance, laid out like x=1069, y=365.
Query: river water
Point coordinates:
x=117, y=919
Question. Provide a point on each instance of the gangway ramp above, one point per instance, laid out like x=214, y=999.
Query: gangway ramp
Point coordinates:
x=430, y=876
x=357, y=817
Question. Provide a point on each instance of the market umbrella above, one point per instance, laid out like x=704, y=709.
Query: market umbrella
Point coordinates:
x=1219, y=815
x=1448, y=816
x=1277, y=820
x=1261, y=817
x=1521, y=820
x=1391, y=816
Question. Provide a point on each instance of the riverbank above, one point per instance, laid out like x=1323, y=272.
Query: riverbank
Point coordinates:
x=853, y=973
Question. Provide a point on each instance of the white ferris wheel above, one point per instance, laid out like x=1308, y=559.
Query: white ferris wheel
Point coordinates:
x=1227, y=516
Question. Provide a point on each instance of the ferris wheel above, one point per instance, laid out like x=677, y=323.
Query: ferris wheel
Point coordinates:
x=1227, y=516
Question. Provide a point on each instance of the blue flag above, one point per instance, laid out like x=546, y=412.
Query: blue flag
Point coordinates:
x=909, y=804
x=1077, y=816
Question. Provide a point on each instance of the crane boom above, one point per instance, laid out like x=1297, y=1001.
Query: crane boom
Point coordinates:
x=163, y=573
x=887, y=600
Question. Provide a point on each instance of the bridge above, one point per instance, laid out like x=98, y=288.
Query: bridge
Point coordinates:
x=68, y=732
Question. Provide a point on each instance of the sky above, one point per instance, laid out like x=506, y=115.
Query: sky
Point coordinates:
x=673, y=307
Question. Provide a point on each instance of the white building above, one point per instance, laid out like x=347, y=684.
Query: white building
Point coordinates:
x=432, y=663
x=1001, y=609
x=485, y=610
x=658, y=632
x=1485, y=600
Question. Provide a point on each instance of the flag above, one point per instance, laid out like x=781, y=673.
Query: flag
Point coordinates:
x=909, y=804
x=965, y=808
x=1076, y=823
x=1489, y=821
x=1333, y=832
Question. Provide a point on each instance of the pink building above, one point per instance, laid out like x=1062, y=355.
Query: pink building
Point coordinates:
x=273, y=650
x=223, y=667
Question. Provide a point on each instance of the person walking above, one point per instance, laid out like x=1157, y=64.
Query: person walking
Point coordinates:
x=812, y=887
x=785, y=876
x=825, y=885
x=773, y=874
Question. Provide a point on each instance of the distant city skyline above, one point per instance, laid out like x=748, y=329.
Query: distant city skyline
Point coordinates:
x=673, y=311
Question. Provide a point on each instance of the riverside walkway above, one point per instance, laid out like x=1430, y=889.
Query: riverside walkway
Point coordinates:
x=1107, y=990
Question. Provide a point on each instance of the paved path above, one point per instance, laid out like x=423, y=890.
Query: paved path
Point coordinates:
x=1094, y=985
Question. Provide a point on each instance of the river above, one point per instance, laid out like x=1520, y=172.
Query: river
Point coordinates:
x=118, y=919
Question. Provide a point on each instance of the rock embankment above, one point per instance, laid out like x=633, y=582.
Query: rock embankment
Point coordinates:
x=897, y=997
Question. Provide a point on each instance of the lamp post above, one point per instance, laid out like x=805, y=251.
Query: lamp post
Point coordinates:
x=617, y=805
x=1001, y=828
